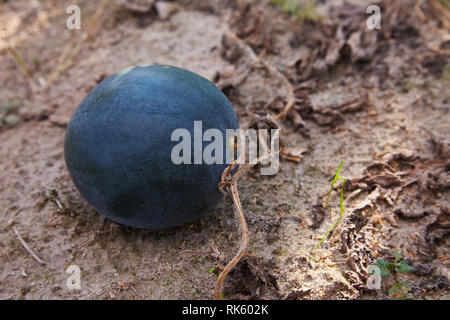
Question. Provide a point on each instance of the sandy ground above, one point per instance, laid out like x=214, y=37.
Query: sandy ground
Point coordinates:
x=377, y=99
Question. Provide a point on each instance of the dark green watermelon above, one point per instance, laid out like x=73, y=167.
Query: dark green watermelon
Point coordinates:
x=118, y=146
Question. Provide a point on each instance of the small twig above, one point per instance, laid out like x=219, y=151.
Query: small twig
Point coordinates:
x=291, y=95
x=419, y=11
x=439, y=8
x=27, y=247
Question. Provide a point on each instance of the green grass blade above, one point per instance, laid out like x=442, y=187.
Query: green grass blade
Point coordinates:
x=341, y=210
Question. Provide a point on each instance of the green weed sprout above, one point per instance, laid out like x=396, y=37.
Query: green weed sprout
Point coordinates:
x=398, y=289
x=341, y=204
x=398, y=266
x=302, y=12
x=336, y=178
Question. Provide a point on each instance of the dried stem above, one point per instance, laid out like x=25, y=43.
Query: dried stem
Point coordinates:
x=231, y=181
x=289, y=88
x=21, y=65
x=27, y=247
x=266, y=64
x=243, y=246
